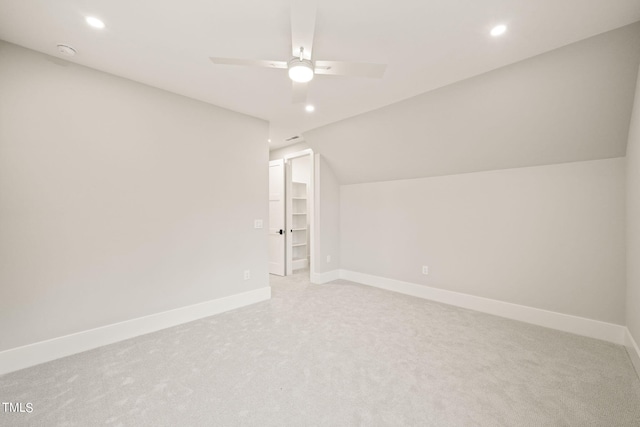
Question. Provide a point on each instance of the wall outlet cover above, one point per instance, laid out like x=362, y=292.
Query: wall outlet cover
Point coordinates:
x=257, y=223
x=247, y=274
x=425, y=270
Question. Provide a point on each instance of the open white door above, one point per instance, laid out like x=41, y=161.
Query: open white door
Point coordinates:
x=276, y=218
x=289, y=218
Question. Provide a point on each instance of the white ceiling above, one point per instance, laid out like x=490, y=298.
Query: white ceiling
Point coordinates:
x=426, y=44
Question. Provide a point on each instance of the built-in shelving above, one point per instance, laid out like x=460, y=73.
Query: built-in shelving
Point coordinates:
x=300, y=225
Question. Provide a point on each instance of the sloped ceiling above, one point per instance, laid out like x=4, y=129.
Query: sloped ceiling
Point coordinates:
x=570, y=104
x=426, y=44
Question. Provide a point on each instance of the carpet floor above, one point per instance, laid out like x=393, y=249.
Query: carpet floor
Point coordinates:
x=338, y=354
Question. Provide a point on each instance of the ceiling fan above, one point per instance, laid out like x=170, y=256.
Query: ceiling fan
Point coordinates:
x=301, y=67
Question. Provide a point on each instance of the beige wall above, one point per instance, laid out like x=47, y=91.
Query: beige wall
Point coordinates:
x=119, y=200
x=633, y=222
x=550, y=237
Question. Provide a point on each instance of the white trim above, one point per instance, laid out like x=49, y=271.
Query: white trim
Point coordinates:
x=633, y=350
x=301, y=153
x=326, y=277
x=312, y=200
x=314, y=209
x=44, y=351
x=550, y=319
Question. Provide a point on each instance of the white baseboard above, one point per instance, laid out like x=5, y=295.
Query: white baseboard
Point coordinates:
x=321, y=278
x=550, y=319
x=44, y=351
x=633, y=350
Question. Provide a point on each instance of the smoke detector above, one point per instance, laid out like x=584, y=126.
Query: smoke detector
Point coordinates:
x=66, y=50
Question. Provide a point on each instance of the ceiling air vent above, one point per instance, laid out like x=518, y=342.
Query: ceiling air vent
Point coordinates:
x=66, y=50
x=292, y=138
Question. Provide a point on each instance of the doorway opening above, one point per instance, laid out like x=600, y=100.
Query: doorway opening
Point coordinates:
x=291, y=209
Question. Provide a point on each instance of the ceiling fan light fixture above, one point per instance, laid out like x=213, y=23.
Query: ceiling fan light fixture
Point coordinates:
x=300, y=70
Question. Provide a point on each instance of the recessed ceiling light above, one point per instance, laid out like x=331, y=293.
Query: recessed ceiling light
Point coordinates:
x=310, y=108
x=94, y=22
x=269, y=140
x=498, y=30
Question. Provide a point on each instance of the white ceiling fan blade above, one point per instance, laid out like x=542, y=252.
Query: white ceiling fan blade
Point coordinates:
x=299, y=92
x=351, y=69
x=303, y=26
x=250, y=62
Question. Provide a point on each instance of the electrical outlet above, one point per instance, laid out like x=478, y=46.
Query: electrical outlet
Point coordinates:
x=425, y=270
x=257, y=223
x=328, y=258
x=247, y=274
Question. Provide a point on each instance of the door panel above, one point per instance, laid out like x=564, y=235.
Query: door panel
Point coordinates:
x=276, y=217
x=289, y=218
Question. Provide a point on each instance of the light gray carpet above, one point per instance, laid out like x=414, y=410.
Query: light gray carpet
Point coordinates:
x=336, y=355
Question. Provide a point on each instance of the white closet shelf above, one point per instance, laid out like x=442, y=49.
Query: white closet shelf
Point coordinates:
x=298, y=205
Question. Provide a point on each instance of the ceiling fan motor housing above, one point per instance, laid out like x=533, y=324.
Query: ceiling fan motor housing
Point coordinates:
x=300, y=70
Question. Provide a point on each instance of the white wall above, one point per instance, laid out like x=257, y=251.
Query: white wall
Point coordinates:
x=633, y=222
x=301, y=169
x=118, y=200
x=550, y=237
x=328, y=240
